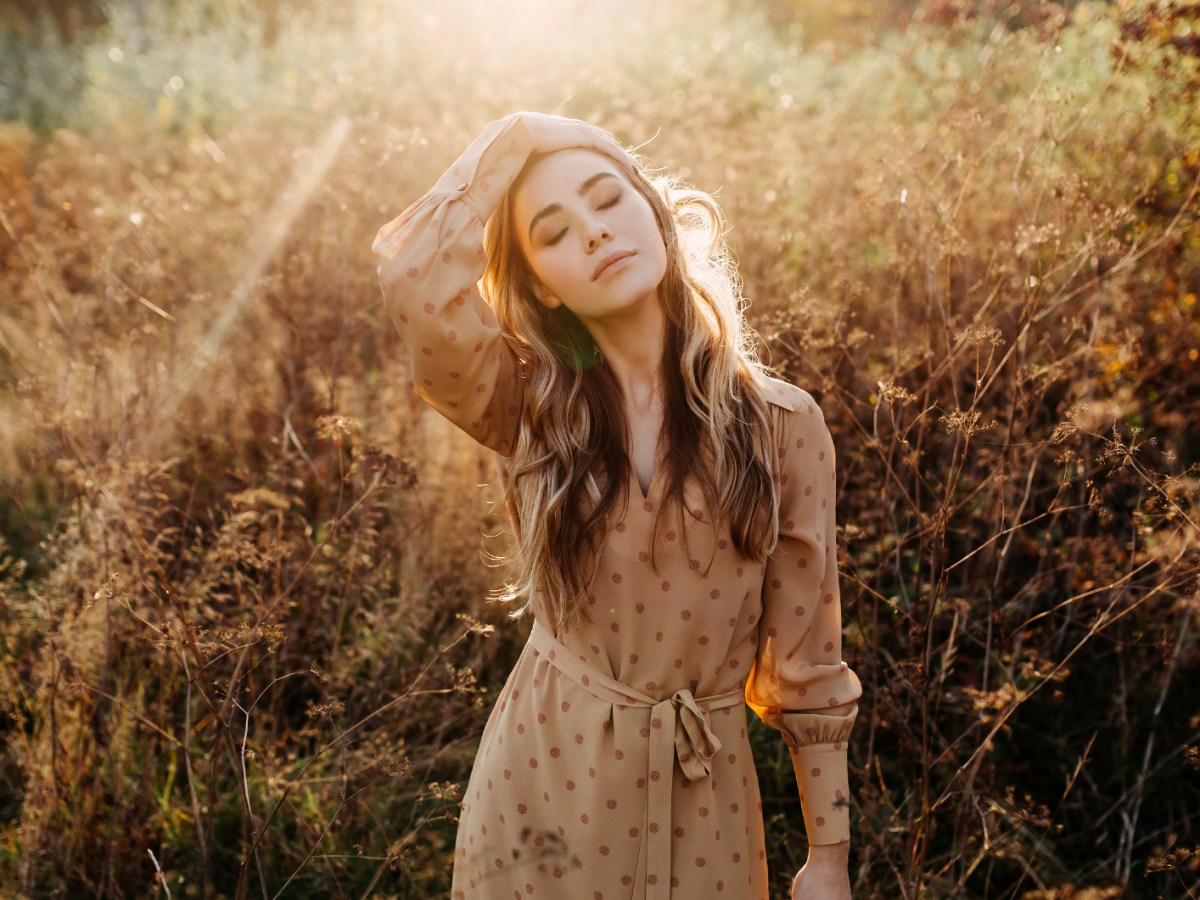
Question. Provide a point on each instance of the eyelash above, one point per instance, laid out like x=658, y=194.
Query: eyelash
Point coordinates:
x=558, y=237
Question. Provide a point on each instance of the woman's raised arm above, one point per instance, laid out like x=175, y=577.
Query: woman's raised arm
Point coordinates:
x=433, y=257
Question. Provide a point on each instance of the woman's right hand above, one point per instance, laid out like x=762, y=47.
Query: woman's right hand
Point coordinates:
x=548, y=133
x=499, y=152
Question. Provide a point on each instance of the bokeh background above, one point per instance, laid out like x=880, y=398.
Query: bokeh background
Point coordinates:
x=245, y=642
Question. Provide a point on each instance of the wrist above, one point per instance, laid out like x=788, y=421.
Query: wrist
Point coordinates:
x=484, y=171
x=837, y=855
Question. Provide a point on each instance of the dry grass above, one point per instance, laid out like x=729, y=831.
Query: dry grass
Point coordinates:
x=243, y=649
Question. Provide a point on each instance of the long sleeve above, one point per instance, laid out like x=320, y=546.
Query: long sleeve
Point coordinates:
x=799, y=684
x=432, y=259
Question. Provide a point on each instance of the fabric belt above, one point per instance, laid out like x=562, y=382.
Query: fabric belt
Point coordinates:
x=679, y=729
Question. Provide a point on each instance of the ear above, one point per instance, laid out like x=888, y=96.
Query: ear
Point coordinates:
x=544, y=296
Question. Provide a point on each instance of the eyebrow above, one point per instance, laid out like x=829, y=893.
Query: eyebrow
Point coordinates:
x=557, y=207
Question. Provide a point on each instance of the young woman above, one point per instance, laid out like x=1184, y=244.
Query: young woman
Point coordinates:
x=675, y=513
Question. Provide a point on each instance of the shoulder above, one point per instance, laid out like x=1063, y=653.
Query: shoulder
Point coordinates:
x=797, y=416
x=806, y=446
x=789, y=397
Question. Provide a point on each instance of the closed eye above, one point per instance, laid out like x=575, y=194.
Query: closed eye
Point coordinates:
x=607, y=204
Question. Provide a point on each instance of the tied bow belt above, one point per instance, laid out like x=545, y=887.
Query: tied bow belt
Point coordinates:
x=679, y=729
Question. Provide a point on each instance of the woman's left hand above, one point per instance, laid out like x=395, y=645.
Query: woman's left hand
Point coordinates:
x=825, y=876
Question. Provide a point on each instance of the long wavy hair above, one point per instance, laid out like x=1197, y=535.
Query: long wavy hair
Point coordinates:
x=569, y=469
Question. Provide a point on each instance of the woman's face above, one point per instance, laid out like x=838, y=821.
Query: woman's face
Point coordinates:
x=589, y=236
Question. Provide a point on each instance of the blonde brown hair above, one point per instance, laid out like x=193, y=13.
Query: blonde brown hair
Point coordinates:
x=569, y=468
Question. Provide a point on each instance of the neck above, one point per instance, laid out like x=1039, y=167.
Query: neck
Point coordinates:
x=632, y=345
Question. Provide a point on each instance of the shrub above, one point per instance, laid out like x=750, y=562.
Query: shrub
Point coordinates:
x=243, y=626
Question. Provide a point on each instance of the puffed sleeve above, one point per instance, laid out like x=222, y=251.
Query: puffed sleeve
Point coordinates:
x=433, y=257
x=799, y=683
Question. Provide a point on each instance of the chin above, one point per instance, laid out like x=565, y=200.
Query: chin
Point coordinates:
x=643, y=286
x=645, y=290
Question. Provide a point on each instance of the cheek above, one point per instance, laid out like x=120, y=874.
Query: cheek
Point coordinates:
x=651, y=235
x=658, y=246
x=556, y=271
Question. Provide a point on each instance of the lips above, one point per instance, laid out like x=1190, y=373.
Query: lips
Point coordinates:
x=615, y=257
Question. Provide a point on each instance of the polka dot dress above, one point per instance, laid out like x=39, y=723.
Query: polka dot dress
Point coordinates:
x=615, y=763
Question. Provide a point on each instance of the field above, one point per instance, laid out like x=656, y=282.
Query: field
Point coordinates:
x=246, y=647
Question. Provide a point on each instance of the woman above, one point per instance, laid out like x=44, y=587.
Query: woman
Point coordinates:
x=675, y=513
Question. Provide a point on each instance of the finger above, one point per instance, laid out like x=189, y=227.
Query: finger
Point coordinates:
x=549, y=133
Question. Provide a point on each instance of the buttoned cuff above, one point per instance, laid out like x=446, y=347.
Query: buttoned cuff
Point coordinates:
x=821, y=773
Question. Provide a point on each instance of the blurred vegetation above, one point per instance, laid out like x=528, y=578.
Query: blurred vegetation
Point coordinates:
x=242, y=632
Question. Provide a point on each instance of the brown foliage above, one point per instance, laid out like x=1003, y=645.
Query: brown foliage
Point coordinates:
x=238, y=552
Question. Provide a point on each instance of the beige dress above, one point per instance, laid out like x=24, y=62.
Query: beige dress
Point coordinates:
x=615, y=763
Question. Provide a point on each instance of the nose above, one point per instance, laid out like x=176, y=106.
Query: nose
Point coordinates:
x=596, y=234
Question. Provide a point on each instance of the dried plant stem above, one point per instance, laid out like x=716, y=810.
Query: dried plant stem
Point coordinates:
x=193, y=794
x=1130, y=816
x=161, y=877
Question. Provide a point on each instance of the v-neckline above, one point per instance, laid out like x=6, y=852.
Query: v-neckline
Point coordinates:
x=637, y=482
x=659, y=457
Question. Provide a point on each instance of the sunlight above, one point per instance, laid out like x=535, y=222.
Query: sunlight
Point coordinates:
x=517, y=35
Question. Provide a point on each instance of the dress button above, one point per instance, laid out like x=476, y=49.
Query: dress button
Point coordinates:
x=462, y=187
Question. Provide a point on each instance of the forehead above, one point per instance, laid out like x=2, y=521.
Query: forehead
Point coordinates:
x=556, y=177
